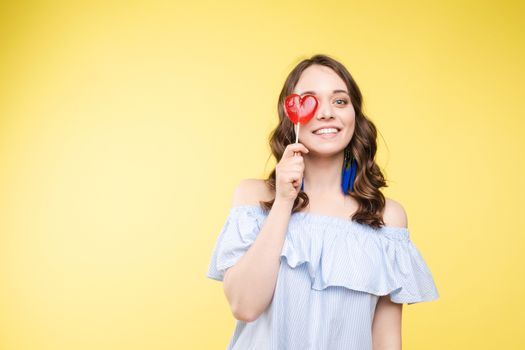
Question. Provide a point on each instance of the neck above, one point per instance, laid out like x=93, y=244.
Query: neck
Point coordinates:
x=322, y=174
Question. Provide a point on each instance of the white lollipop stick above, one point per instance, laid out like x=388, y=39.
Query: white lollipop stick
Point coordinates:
x=297, y=136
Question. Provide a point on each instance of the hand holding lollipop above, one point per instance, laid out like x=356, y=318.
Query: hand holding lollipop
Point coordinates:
x=300, y=110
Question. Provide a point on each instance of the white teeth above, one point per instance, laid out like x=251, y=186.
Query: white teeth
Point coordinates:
x=326, y=131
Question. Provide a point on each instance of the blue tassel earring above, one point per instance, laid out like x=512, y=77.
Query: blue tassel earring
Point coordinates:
x=349, y=172
x=348, y=175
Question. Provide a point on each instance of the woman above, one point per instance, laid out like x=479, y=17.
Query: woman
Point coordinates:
x=312, y=258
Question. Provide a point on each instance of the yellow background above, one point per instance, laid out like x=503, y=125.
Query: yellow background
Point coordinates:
x=125, y=125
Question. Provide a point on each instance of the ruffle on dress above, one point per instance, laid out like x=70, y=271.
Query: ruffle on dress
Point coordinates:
x=337, y=251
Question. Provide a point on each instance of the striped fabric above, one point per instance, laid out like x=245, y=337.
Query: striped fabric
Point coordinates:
x=331, y=275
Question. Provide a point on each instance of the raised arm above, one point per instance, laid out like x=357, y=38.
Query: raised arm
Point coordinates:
x=250, y=283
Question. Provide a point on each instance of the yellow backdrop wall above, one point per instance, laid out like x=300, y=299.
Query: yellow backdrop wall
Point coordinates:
x=125, y=125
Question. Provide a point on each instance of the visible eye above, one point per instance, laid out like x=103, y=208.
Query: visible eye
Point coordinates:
x=342, y=99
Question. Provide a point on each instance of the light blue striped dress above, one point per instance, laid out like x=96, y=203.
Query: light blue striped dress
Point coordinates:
x=331, y=275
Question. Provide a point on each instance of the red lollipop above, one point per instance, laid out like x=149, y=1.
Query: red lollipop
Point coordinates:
x=300, y=109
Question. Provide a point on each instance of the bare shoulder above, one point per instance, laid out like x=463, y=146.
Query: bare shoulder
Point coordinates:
x=250, y=192
x=394, y=214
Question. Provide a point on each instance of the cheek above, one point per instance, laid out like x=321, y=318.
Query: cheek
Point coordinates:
x=351, y=112
x=350, y=123
x=349, y=118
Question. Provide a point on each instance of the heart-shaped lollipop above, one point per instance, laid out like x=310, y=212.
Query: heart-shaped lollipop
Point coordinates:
x=300, y=109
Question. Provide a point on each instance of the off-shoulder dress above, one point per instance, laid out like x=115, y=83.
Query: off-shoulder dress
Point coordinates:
x=331, y=274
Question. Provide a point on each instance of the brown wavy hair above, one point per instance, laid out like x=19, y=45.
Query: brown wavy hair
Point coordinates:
x=369, y=178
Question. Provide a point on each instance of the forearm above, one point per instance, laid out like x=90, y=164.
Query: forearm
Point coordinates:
x=249, y=284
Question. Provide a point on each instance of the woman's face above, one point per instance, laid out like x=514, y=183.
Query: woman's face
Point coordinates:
x=335, y=110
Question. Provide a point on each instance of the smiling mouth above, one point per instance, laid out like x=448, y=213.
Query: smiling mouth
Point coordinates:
x=326, y=131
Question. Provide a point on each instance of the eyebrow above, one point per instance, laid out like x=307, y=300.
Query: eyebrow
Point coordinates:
x=335, y=92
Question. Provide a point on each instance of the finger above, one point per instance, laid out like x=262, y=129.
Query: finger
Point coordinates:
x=297, y=160
x=293, y=148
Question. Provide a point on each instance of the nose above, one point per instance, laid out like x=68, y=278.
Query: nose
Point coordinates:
x=324, y=110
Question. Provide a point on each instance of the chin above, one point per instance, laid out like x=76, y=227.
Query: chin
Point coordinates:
x=328, y=151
